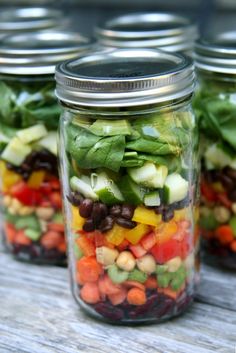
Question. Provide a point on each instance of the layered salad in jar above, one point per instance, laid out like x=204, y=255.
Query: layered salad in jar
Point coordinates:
x=215, y=106
x=31, y=199
x=131, y=195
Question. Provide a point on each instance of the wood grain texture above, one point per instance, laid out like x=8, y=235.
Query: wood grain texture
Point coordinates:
x=38, y=315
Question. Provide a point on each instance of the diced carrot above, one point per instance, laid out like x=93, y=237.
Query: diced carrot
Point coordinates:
x=51, y=239
x=119, y=297
x=10, y=232
x=57, y=227
x=151, y=283
x=170, y=292
x=233, y=246
x=136, y=296
x=90, y=293
x=137, y=250
x=132, y=284
x=107, y=287
x=148, y=241
x=21, y=238
x=86, y=245
x=100, y=240
x=79, y=280
x=62, y=247
x=224, y=234
x=124, y=245
x=89, y=269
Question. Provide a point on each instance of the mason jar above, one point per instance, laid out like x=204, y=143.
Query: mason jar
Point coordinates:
x=28, y=19
x=215, y=105
x=128, y=150
x=31, y=199
x=166, y=31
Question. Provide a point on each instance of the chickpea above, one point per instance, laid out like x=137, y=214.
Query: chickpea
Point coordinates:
x=205, y=211
x=106, y=256
x=7, y=201
x=147, y=264
x=222, y=214
x=17, y=205
x=25, y=211
x=233, y=207
x=174, y=264
x=126, y=261
x=45, y=213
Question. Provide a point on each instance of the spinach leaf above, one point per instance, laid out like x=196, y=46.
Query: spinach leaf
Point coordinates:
x=153, y=147
x=7, y=99
x=110, y=127
x=91, y=151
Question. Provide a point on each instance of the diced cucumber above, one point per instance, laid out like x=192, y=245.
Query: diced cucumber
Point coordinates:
x=152, y=199
x=107, y=191
x=33, y=234
x=232, y=224
x=132, y=192
x=208, y=222
x=82, y=187
x=28, y=222
x=110, y=127
x=117, y=275
x=16, y=152
x=58, y=218
x=49, y=142
x=175, y=188
x=137, y=275
x=32, y=133
x=218, y=155
x=149, y=175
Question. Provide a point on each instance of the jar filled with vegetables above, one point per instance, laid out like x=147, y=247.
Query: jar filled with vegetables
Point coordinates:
x=215, y=105
x=128, y=148
x=29, y=114
x=166, y=31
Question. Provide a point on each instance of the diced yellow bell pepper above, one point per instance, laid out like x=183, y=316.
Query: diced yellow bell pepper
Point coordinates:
x=218, y=187
x=134, y=235
x=36, y=179
x=77, y=220
x=166, y=232
x=184, y=214
x=9, y=178
x=145, y=216
x=3, y=167
x=116, y=235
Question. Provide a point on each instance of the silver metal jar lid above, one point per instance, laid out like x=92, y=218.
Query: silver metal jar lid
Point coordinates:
x=124, y=77
x=28, y=18
x=148, y=30
x=39, y=52
x=217, y=54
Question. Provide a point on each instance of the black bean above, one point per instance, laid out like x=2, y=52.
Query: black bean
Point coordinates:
x=99, y=212
x=115, y=210
x=231, y=173
x=159, y=209
x=227, y=182
x=167, y=215
x=125, y=223
x=75, y=198
x=85, y=208
x=232, y=195
x=127, y=211
x=89, y=225
x=107, y=224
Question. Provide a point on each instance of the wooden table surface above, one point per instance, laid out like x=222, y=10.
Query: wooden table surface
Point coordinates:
x=38, y=315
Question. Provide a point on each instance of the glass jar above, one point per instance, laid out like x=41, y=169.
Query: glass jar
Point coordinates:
x=166, y=31
x=215, y=105
x=128, y=149
x=29, y=19
x=29, y=114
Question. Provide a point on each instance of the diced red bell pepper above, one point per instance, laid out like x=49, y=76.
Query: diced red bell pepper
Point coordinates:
x=208, y=192
x=46, y=188
x=138, y=250
x=148, y=241
x=55, y=198
x=55, y=184
x=223, y=198
x=26, y=195
x=166, y=251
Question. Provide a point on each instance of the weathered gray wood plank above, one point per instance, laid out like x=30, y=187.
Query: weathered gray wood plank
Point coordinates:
x=38, y=315
x=218, y=287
